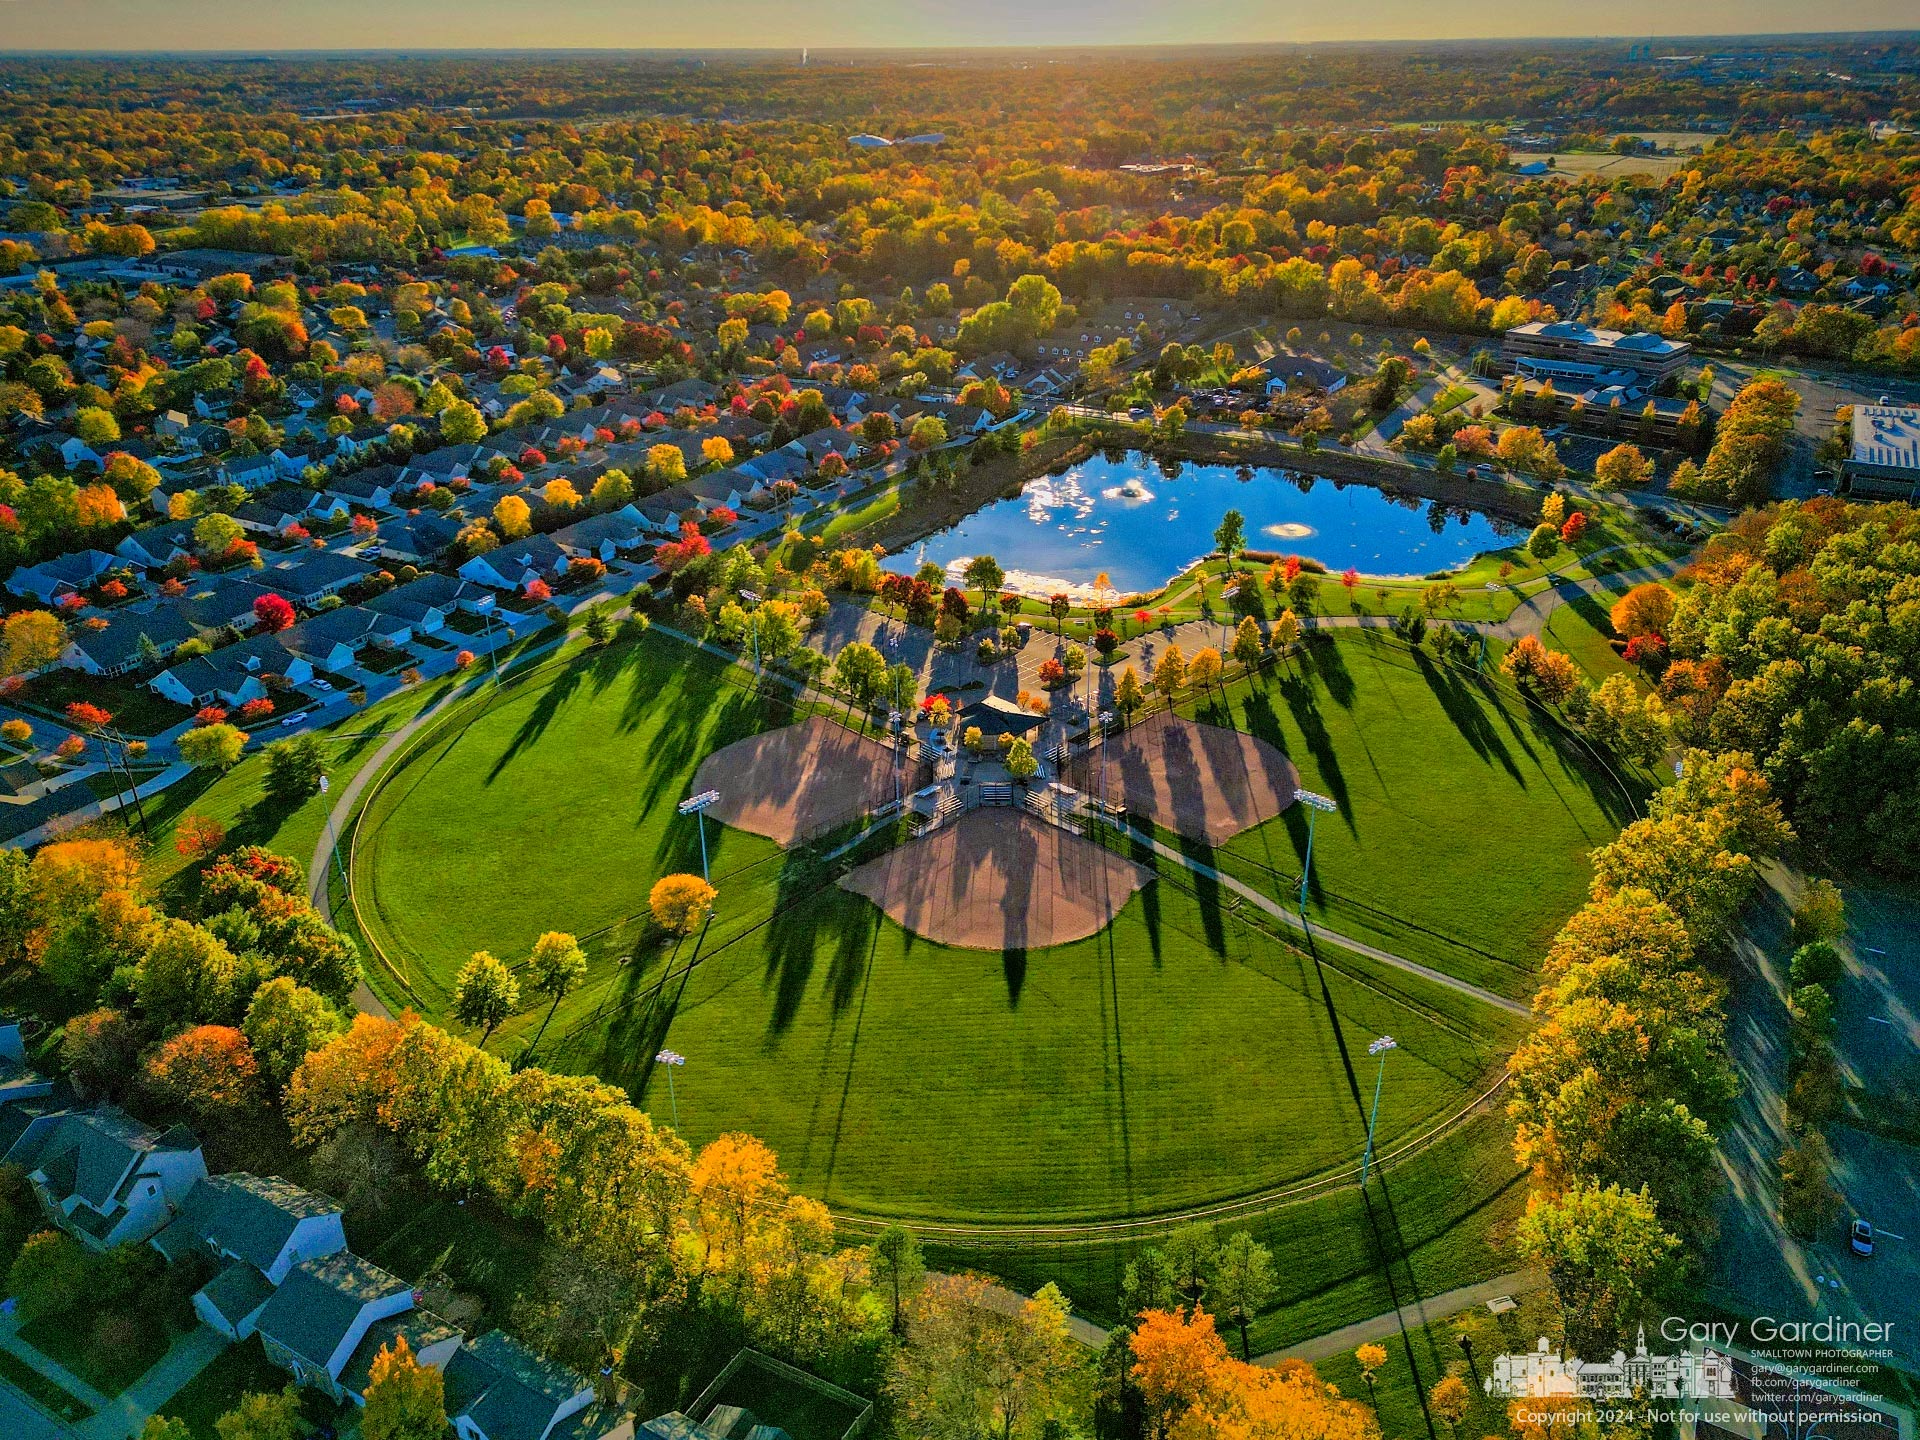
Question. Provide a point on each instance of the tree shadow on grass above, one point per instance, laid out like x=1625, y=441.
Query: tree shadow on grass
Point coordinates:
x=549, y=698
x=812, y=913
x=1322, y=657
x=1468, y=714
x=1263, y=723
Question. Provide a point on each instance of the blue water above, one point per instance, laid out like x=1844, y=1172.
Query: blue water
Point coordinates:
x=1142, y=521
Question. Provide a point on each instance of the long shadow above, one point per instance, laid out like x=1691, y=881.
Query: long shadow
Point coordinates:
x=547, y=704
x=1326, y=661
x=1468, y=715
x=1264, y=724
x=809, y=915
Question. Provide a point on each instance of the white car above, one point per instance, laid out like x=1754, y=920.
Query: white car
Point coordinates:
x=291, y=719
x=324, y=686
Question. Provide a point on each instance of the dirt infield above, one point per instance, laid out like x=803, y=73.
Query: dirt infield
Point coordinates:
x=799, y=781
x=1000, y=880
x=1199, y=780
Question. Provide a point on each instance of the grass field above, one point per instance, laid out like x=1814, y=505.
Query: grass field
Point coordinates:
x=1184, y=1054
x=1465, y=814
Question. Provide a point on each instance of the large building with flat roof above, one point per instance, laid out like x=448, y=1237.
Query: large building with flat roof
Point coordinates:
x=1561, y=350
x=1884, y=460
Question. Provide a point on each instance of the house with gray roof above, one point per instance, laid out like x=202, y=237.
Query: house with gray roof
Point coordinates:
x=321, y=1312
x=333, y=639
x=607, y=536
x=241, y=672
x=62, y=575
x=104, y=1177
x=158, y=545
x=417, y=539
x=498, y=1389
x=129, y=641
x=516, y=564
x=257, y=1229
x=308, y=576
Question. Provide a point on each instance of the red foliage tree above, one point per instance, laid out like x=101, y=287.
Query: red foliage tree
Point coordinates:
x=91, y=717
x=256, y=709
x=273, y=613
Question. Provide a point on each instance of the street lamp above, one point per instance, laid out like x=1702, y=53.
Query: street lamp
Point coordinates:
x=1379, y=1047
x=696, y=805
x=1315, y=804
x=672, y=1059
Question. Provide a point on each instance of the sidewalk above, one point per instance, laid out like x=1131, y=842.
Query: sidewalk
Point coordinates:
x=1410, y=1316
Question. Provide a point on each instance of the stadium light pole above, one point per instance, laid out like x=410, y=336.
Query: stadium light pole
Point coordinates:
x=1315, y=804
x=752, y=597
x=673, y=1060
x=696, y=806
x=1379, y=1047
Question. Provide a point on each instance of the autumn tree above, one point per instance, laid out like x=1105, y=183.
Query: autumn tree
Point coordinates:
x=1247, y=642
x=30, y=640
x=405, y=1400
x=557, y=966
x=1170, y=672
x=1623, y=468
x=270, y=1416
x=1128, y=694
x=1644, y=610
x=680, y=903
x=484, y=994
x=512, y=517
x=209, y=1071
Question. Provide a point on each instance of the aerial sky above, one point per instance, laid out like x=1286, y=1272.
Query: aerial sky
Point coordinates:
x=734, y=24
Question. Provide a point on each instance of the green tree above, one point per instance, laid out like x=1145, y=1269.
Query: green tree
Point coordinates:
x=484, y=994
x=1191, y=1250
x=1608, y=1259
x=294, y=768
x=984, y=574
x=860, y=670
x=558, y=966
x=165, y=1427
x=1020, y=761
x=214, y=747
x=273, y=1416
x=896, y=1264
x=285, y=1023
x=1243, y=1283
x=1230, y=538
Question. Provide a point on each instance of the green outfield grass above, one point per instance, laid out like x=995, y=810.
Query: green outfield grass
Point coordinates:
x=1465, y=814
x=1184, y=1054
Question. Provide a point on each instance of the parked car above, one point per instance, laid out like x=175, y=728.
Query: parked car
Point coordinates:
x=324, y=686
x=1860, y=1237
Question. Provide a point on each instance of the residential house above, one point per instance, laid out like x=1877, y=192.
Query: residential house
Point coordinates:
x=370, y=489
x=605, y=537
x=310, y=576
x=158, y=545
x=256, y=1229
x=333, y=639
x=104, y=1177
x=248, y=670
x=323, y=1310
x=218, y=602
x=256, y=472
x=518, y=563
x=129, y=641
x=62, y=575
x=19, y=1081
x=417, y=539
x=497, y=1389
x=272, y=511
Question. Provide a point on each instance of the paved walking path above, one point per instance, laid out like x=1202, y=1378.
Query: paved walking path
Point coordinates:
x=1309, y=929
x=1412, y=1315
x=1532, y=615
x=48, y=1367
x=170, y=1374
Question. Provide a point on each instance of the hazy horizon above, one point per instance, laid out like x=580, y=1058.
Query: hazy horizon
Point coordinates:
x=108, y=27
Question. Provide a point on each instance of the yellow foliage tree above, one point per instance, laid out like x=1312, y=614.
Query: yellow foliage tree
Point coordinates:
x=679, y=903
